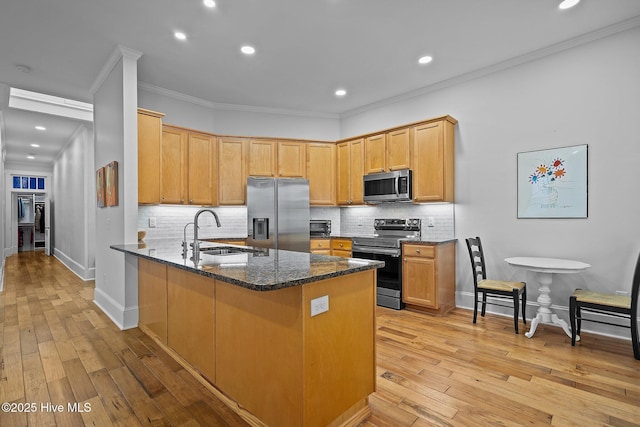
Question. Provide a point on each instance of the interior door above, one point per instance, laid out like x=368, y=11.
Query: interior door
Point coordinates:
x=47, y=229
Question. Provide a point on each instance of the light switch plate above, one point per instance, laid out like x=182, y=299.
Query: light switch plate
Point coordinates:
x=152, y=222
x=319, y=305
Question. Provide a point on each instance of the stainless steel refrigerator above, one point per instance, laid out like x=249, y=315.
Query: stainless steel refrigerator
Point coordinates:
x=278, y=213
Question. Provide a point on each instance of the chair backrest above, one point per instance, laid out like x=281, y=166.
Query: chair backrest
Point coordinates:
x=635, y=291
x=477, y=259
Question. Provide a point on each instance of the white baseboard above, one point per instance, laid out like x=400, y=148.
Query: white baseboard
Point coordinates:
x=124, y=318
x=81, y=271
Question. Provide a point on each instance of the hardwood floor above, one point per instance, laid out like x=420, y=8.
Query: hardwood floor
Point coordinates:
x=57, y=346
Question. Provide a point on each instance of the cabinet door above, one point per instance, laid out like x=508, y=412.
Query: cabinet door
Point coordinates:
x=376, y=152
x=232, y=178
x=428, y=161
x=356, y=151
x=344, y=173
x=291, y=159
x=152, y=297
x=419, y=282
x=321, y=173
x=262, y=157
x=191, y=319
x=173, y=165
x=399, y=149
x=149, y=136
x=202, y=167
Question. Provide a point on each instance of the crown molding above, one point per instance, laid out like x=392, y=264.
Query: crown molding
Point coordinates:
x=118, y=52
x=522, y=59
x=233, y=107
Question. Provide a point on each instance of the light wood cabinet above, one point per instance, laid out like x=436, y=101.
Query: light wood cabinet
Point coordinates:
x=399, y=149
x=191, y=319
x=152, y=298
x=280, y=159
x=149, y=137
x=188, y=167
x=375, y=153
x=428, y=277
x=232, y=174
x=320, y=246
x=341, y=247
x=203, y=173
x=350, y=165
x=174, y=165
x=432, y=161
x=292, y=159
x=321, y=173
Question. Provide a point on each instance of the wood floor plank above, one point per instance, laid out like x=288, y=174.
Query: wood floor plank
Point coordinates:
x=114, y=402
x=80, y=382
x=51, y=362
x=145, y=377
x=61, y=394
x=141, y=404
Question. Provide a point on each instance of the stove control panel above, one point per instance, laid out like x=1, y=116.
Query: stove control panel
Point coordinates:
x=397, y=224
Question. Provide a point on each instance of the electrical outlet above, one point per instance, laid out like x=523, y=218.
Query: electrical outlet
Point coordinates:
x=622, y=293
x=360, y=221
x=319, y=305
x=431, y=222
x=152, y=222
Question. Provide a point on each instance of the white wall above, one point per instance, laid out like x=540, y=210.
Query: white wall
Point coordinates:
x=73, y=204
x=115, y=132
x=200, y=115
x=589, y=94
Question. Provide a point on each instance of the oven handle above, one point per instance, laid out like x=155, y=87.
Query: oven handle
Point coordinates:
x=373, y=250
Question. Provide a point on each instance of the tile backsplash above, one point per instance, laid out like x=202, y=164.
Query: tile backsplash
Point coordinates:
x=357, y=220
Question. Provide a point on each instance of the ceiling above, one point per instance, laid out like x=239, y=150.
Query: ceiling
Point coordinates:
x=305, y=50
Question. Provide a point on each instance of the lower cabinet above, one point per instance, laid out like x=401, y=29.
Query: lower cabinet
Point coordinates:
x=341, y=248
x=320, y=246
x=152, y=298
x=191, y=319
x=429, y=277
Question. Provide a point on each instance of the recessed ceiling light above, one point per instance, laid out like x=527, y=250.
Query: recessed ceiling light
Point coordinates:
x=425, y=59
x=31, y=157
x=209, y=3
x=341, y=92
x=248, y=50
x=41, y=127
x=566, y=4
x=180, y=35
x=35, y=145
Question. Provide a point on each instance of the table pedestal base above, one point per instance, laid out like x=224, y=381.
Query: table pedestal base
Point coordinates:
x=554, y=320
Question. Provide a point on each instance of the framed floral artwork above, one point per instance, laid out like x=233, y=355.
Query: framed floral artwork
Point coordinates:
x=100, y=187
x=111, y=184
x=553, y=183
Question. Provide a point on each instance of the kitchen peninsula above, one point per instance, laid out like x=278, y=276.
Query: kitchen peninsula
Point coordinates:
x=285, y=338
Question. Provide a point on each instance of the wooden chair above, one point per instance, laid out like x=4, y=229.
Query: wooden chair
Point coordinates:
x=500, y=289
x=614, y=306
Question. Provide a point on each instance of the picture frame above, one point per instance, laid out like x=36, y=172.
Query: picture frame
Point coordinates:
x=553, y=183
x=111, y=184
x=100, y=195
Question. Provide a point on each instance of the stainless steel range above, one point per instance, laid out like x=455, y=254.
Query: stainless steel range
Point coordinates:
x=385, y=245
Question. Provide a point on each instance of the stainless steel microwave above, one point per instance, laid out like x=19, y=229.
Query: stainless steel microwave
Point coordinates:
x=388, y=187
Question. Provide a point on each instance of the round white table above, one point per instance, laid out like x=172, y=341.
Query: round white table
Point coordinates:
x=544, y=269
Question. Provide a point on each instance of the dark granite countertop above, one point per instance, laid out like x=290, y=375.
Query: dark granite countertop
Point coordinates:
x=257, y=269
x=427, y=241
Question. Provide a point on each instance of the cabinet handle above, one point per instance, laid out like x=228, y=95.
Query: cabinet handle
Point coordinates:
x=417, y=251
x=405, y=260
x=340, y=244
x=190, y=200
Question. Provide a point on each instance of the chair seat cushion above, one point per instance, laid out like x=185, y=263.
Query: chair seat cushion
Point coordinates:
x=602, y=299
x=500, y=285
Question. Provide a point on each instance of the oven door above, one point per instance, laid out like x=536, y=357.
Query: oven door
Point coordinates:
x=389, y=283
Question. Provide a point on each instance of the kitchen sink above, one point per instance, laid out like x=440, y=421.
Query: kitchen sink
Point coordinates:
x=226, y=250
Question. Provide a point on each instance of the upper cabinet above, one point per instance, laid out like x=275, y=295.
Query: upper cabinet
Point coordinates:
x=173, y=165
x=203, y=169
x=232, y=174
x=350, y=165
x=376, y=153
x=149, y=137
x=188, y=167
x=278, y=159
x=321, y=173
x=432, y=161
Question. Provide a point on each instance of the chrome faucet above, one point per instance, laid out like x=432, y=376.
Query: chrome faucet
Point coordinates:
x=196, y=244
x=185, y=244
